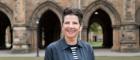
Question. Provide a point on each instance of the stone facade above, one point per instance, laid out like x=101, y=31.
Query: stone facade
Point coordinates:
x=25, y=16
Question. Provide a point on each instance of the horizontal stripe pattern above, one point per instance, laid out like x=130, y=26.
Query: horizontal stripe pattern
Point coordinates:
x=74, y=53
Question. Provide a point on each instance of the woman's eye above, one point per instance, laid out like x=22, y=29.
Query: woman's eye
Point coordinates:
x=66, y=23
x=75, y=23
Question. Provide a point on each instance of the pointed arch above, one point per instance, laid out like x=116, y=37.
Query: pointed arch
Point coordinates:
x=107, y=7
x=42, y=8
x=6, y=10
x=6, y=24
x=115, y=20
x=54, y=13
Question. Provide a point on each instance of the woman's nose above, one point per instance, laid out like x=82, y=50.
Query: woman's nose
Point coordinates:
x=71, y=25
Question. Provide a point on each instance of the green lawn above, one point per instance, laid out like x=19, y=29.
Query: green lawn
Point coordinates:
x=21, y=58
x=96, y=44
x=118, y=58
x=97, y=58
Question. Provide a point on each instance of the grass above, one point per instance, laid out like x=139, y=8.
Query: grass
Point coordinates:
x=118, y=58
x=97, y=58
x=96, y=44
x=21, y=58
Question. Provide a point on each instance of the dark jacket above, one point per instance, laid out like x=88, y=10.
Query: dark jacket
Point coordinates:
x=59, y=50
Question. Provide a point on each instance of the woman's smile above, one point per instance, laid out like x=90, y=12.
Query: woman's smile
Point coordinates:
x=71, y=30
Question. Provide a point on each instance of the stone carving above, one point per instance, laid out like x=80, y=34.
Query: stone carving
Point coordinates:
x=128, y=32
x=20, y=33
x=19, y=12
x=20, y=40
x=129, y=9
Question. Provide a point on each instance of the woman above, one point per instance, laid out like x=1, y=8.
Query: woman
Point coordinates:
x=70, y=47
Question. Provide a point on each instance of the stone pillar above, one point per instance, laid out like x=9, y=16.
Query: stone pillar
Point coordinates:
x=84, y=33
x=19, y=12
x=65, y=3
x=8, y=37
x=76, y=4
x=33, y=38
x=70, y=3
x=116, y=38
x=20, y=36
x=130, y=30
x=130, y=38
x=20, y=44
x=129, y=11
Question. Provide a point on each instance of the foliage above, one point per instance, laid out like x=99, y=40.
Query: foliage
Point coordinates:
x=96, y=28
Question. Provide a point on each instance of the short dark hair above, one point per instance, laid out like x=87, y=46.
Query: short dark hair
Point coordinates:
x=70, y=11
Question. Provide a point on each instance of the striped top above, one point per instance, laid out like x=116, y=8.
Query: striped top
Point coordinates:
x=74, y=52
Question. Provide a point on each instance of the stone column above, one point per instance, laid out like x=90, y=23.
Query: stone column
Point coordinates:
x=116, y=38
x=20, y=35
x=8, y=37
x=130, y=38
x=19, y=12
x=84, y=33
x=76, y=4
x=33, y=38
x=20, y=44
x=130, y=30
x=129, y=11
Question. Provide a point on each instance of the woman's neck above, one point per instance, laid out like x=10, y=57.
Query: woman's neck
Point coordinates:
x=71, y=41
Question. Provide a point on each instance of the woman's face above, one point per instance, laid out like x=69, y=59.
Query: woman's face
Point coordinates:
x=71, y=26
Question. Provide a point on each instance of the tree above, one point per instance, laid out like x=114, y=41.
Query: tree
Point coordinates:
x=96, y=28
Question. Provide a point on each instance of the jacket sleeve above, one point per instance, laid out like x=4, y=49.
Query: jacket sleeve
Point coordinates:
x=93, y=56
x=48, y=53
x=92, y=53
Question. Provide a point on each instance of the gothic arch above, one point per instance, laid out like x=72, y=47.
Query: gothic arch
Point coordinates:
x=36, y=17
x=114, y=18
x=107, y=7
x=6, y=32
x=5, y=9
x=42, y=8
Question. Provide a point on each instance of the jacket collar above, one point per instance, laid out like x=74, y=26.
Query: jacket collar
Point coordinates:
x=64, y=45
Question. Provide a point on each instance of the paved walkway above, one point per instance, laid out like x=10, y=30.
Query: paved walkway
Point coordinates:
x=98, y=52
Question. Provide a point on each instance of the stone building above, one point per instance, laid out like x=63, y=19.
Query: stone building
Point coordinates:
x=28, y=24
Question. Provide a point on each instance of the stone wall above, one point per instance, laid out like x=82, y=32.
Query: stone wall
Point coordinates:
x=23, y=15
